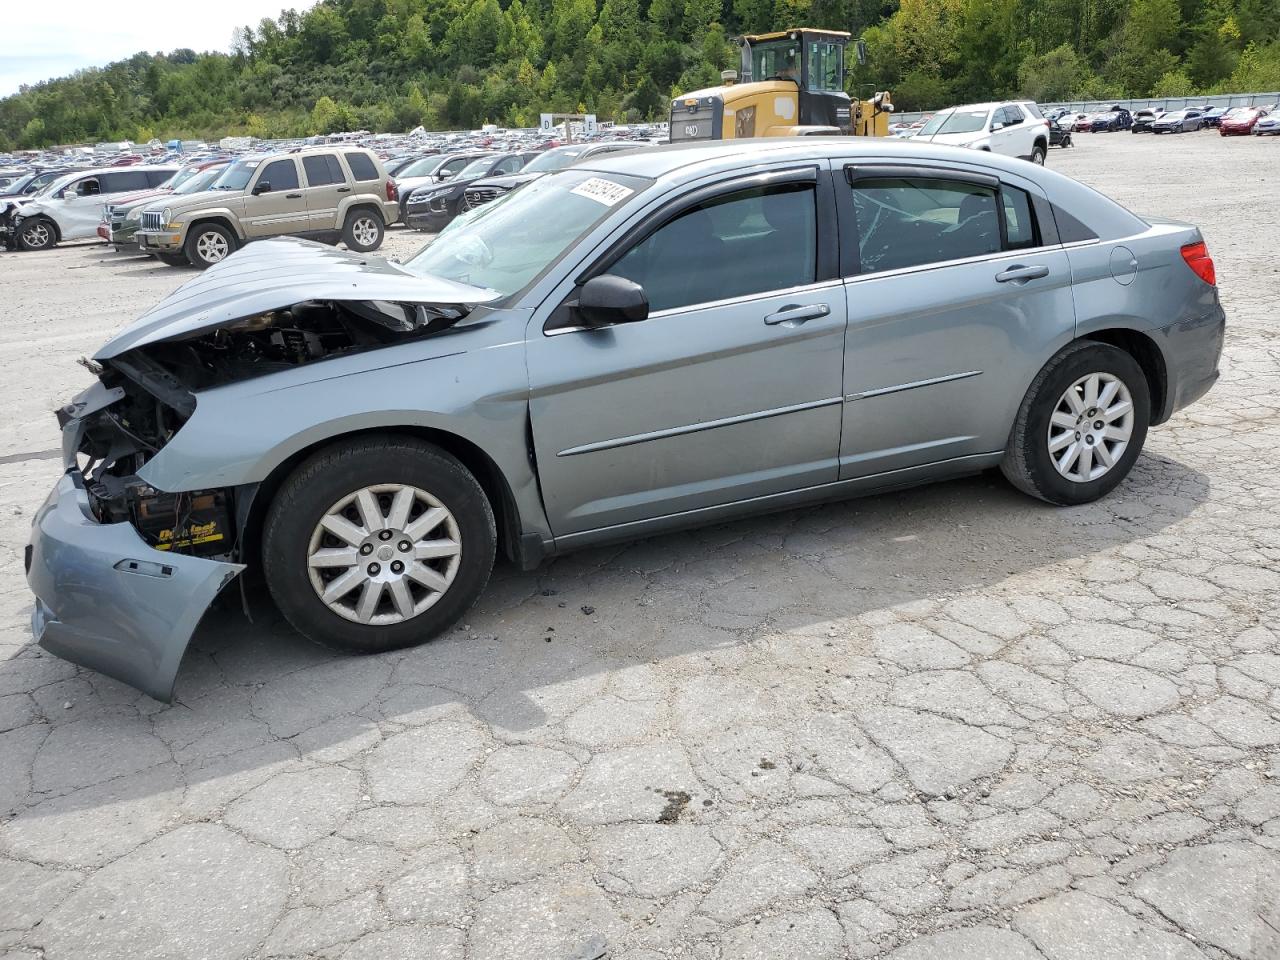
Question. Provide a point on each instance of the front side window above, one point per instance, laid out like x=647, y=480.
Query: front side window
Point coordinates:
x=776, y=59
x=910, y=222
x=826, y=66
x=455, y=165
x=281, y=174
x=747, y=242
x=88, y=188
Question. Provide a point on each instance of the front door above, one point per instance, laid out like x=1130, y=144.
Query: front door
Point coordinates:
x=730, y=390
x=958, y=297
x=282, y=209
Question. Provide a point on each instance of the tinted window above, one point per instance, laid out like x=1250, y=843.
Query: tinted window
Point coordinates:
x=156, y=177
x=125, y=180
x=281, y=174
x=1071, y=230
x=86, y=188
x=1019, y=222
x=747, y=242
x=1034, y=110
x=362, y=166
x=910, y=222
x=319, y=171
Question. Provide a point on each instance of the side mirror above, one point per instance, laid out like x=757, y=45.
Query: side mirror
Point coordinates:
x=262, y=186
x=606, y=300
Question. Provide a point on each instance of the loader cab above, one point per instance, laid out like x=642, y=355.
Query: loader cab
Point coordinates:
x=811, y=59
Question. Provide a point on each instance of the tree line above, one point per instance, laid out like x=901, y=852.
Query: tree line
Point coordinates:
x=390, y=65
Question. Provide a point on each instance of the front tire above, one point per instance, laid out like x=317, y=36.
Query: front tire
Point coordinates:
x=378, y=543
x=37, y=234
x=1081, y=425
x=363, y=231
x=209, y=243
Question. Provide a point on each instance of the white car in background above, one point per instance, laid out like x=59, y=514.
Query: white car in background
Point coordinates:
x=1014, y=128
x=71, y=208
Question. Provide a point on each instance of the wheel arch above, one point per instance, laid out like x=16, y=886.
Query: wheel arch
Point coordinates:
x=497, y=489
x=221, y=219
x=360, y=203
x=1147, y=353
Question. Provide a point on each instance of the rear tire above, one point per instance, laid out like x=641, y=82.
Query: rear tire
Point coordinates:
x=363, y=231
x=326, y=525
x=209, y=243
x=1037, y=155
x=38, y=233
x=1069, y=446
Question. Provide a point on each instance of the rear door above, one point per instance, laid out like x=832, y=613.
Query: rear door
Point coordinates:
x=279, y=210
x=730, y=390
x=958, y=292
x=326, y=186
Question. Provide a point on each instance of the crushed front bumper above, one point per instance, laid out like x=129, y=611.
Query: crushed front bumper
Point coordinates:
x=107, y=600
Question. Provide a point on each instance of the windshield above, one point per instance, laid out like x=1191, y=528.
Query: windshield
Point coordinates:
x=422, y=168
x=54, y=186
x=776, y=58
x=202, y=180
x=20, y=184
x=956, y=121
x=553, y=160
x=504, y=244
x=477, y=168
x=236, y=176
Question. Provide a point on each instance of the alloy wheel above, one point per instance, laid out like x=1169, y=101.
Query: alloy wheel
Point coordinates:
x=384, y=554
x=365, y=231
x=37, y=235
x=212, y=247
x=1090, y=427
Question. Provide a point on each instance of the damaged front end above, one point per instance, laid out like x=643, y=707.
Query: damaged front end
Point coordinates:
x=123, y=571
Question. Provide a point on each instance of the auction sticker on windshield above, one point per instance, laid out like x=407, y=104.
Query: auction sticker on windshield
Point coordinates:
x=602, y=191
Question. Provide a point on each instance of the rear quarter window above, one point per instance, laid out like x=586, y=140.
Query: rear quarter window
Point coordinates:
x=362, y=166
x=1070, y=229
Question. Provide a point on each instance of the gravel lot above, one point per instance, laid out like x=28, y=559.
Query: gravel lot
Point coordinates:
x=950, y=723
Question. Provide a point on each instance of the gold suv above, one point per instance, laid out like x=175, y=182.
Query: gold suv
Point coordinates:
x=327, y=193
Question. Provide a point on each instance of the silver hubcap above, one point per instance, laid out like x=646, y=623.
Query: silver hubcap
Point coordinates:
x=384, y=554
x=1090, y=427
x=212, y=247
x=37, y=235
x=365, y=231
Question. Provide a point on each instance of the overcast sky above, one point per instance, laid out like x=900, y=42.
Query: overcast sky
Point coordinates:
x=42, y=42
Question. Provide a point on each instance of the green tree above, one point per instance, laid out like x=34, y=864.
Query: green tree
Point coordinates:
x=1051, y=76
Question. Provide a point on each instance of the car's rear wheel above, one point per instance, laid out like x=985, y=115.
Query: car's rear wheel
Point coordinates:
x=363, y=231
x=378, y=543
x=1081, y=425
x=1037, y=155
x=37, y=234
x=209, y=243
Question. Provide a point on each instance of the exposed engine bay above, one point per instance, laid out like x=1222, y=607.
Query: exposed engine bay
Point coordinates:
x=151, y=392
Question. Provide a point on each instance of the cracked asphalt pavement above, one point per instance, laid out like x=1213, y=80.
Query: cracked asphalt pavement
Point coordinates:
x=946, y=724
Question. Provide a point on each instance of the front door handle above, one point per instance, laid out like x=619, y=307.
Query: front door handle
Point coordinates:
x=798, y=313
x=1020, y=274
x=293, y=196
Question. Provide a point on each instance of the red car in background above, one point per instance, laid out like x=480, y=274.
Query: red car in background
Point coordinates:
x=1240, y=121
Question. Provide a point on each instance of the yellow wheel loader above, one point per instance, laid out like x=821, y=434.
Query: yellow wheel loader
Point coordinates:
x=792, y=84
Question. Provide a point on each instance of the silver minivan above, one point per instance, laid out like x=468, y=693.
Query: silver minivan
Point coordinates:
x=71, y=208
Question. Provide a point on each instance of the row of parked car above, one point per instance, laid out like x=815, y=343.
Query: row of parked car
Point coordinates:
x=200, y=213
x=1233, y=121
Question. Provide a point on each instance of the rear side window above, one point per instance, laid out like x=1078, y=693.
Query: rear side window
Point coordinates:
x=125, y=180
x=743, y=243
x=362, y=166
x=281, y=174
x=910, y=222
x=322, y=169
x=1019, y=221
x=1034, y=110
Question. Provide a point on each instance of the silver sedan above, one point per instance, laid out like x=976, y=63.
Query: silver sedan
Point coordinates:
x=668, y=337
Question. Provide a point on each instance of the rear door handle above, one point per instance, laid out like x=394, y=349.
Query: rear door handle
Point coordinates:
x=1020, y=274
x=293, y=196
x=798, y=313
x=344, y=189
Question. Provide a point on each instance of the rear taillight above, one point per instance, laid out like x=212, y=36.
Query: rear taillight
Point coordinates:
x=1197, y=257
x=391, y=189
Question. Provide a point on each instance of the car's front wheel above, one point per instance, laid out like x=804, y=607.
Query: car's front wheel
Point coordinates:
x=378, y=543
x=209, y=243
x=363, y=231
x=37, y=234
x=1081, y=425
